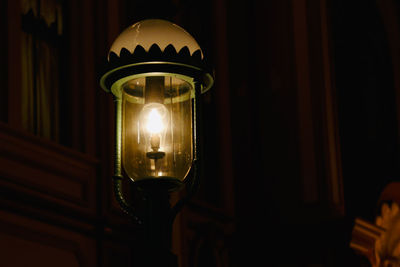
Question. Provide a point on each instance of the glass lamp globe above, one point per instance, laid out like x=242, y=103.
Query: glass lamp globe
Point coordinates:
x=156, y=72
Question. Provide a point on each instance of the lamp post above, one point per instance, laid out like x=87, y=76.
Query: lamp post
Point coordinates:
x=156, y=72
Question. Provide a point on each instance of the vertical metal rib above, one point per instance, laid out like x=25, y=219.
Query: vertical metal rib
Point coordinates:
x=117, y=179
x=118, y=136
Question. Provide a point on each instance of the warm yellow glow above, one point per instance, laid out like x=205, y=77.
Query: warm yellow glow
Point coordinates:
x=154, y=119
x=157, y=129
x=155, y=123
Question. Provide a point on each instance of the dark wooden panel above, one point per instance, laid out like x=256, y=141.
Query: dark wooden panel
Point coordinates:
x=390, y=16
x=206, y=239
x=115, y=254
x=3, y=63
x=14, y=63
x=367, y=88
x=318, y=131
x=222, y=90
x=26, y=242
x=89, y=77
x=39, y=168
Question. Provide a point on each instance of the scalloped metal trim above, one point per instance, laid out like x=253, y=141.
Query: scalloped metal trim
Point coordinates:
x=169, y=54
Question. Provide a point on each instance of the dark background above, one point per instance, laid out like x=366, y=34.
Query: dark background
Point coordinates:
x=300, y=134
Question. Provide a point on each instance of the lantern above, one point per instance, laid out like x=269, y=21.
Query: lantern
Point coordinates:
x=156, y=72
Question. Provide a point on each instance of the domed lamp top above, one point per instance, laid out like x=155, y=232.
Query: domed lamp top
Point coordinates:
x=155, y=46
x=154, y=31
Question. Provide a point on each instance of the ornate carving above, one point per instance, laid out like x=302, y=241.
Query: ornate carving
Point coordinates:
x=387, y=247
x=380, y=243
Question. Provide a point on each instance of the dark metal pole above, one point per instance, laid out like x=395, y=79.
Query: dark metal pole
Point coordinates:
x=158, y=228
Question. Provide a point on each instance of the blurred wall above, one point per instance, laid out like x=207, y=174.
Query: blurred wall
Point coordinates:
x=300, y=135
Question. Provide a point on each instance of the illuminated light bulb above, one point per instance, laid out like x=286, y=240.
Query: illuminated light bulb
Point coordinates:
x=154, y=122
x=154, y=118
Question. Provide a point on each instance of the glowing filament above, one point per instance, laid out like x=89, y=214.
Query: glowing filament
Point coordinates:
x=154, y=122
